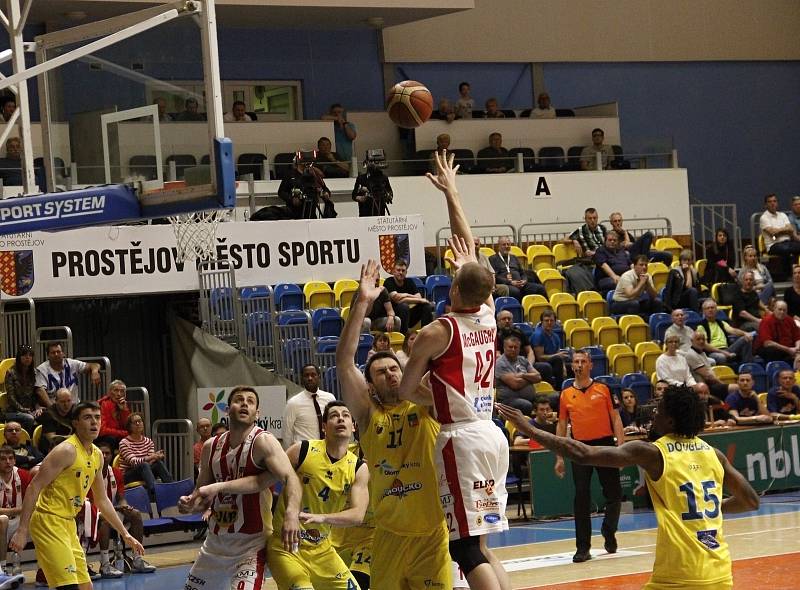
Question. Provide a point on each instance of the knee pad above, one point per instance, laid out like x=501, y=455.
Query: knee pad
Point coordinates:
x=467, y=553
x=362, y=579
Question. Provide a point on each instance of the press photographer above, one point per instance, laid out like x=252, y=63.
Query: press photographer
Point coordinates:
x=372, y=191
x=304, y=190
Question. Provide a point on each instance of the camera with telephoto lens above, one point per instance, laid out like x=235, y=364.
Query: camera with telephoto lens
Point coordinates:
x=305, y=187
x=375, y=159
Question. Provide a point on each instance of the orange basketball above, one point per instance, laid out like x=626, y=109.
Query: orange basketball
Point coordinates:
x=409, y=104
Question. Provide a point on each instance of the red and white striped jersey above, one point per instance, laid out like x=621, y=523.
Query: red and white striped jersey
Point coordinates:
x=12, y=491
x=462, y=377
x=238, y=513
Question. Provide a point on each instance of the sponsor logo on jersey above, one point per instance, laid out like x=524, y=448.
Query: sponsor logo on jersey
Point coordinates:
x=413, y=420
x=479, y=520
x=400, y=489
x=492, y=518
x=387, y=468
x=446, y=499
x=487, y=484
x=433, y=584
x=486, y=505
x=311, y=535
x=329, y=474
x=708, y=538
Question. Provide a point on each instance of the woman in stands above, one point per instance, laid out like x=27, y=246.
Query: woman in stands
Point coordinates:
x=408, y=344
x=683, y=285
x=21, y=394
x=764, y=285
x=139, y=459
x=792, y=294
x=380, y=344
x=629, y=412
x=721, y=260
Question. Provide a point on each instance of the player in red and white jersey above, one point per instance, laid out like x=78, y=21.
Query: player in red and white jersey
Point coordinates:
x=233, y=555
x=458, y=351
x=13, y=483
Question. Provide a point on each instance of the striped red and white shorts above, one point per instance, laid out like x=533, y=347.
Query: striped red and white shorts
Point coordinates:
x=229, y=562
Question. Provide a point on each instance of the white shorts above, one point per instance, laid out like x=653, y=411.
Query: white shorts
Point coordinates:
x=228, y=562
x=472, y=462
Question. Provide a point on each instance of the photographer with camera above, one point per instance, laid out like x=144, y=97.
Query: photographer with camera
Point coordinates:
x=304, y=190
x=372, y=190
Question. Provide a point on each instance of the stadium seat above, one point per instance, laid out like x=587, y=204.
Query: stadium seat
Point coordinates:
x=420, y=285
x=396, y=340
x=525, y=328
x=647, y=353
x=487, y=251
x=291, y=317
x=574, y=157
x=128, y=486
x=758, y=373
x=669, y=245
x=578, y=333
x=438, y=287
x=540, y=256
x=509, y=304
x=365, y=342
x=344, y=290
x=725, y=374
x=330, y=381
x=606, y=331
x=621, y=359
x=222, y=303
x=528, y=158
x=521, y=256
x=722, y=304
x=700, y=266
x=550, y=159
x=639, y=383
x=288, y=296
x=345, y=313
x=258, y=329
x=599, y=360
x=167, y=497
x=592, y=305
x=659, y=271
x=318, y=294
x=251, y=163
x=567, y=383
x=533, y=306
x=440, y=308
x=634, y=330
x=772, y=370
x=552, y=280
x=693, y=318
x=139, y=499
x=563, y=253
x=613, y=384
x=464, y=158
x=565, y=306
x=37, y=436
x=283, y=164
x=326, y=321
x=5, y=365
x=659, y=322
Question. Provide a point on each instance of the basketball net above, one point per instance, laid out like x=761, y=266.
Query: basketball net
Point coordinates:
x=195, y=233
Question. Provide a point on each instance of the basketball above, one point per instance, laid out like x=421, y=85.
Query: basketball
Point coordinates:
x=409, y=104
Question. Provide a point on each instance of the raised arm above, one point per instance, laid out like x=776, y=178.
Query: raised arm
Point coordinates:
x=359, y=499
x=742, y=495
x=445, y=181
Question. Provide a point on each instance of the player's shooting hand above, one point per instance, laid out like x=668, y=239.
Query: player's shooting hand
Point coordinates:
x=513, y=415
x=19, y=540
x=463, y=252
x=134, y=544
x=445, y=179
x=290, y=532
x=309, y=518
x=369, y=289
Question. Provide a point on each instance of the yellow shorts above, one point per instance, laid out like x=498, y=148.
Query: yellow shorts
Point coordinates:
x=678, y=585
x=309, y=568
x=58, y=551
x=354, y=546
x=400, y=562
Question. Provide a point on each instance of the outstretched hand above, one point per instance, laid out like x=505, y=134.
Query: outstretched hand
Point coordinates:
x=445, y=179
x=369, y=289
x=513, y=415
x=463, y=252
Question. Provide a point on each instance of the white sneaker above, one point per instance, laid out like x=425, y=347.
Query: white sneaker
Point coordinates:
x=10, y=582
x=109, y=571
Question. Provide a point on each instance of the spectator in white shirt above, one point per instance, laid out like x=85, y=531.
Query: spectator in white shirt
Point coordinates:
x=779, y=235
x=237, y=114
x=58, y=371
x=673, y=368
x=302, y=418
x=680, y=329
x=543, y=108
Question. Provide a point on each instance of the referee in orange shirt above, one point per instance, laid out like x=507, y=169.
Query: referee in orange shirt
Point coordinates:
x=589, y=408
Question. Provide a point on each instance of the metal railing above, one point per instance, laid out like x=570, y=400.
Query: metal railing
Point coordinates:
x=175, y=437
x=47, y=335
x=706, y=219
x=18, y=325
x=138, y=400
x=220, y=306
x=554, y=232
x=489, y=235
x=293, y=344
x=89, y=391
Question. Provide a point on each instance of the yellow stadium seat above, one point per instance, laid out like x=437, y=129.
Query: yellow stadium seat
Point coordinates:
x=762, y=246
x=562, y=252
x=486, y=251
x=725, y=374
x=621, y=359
x=606, y=331
x=37, y=436
x=133, y=484
x=345, y=313
x=344, y=290
x=647, y=353
x=544, y=388
x=5, y=365
x=552, y=280
x=762, y=398
x=715, y=297
x=669, y=245
x=319, y=294
x=512, y=432
x=700, y=266
x=540, y=256
x=578, y=333
x=592, y=304
x=23, y=436
x=396, y=340
x=659, y=271
x=449, y=254
x=565, y=306
x=517, y=251
x=634, y=329
x=533, y=306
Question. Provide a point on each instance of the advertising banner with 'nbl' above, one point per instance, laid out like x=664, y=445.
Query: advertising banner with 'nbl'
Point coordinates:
x=123, y=260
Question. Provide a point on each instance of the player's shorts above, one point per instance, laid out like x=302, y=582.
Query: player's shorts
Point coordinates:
x=354, y=546
x=13, y=525
x=229, y=562
x=472, y=462
x=310, y=567
x=58, y=551
x=678, y=585
x=400, y=562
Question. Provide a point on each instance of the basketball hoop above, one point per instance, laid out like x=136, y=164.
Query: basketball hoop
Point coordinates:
x=195, y=233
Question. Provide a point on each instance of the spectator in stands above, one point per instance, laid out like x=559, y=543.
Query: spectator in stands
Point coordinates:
x=345, y=132
x=131, y=518
x=21, y=394
x=794, y=214
x=442, y=144
x=700, y=366
x=588, y=154
x=779, y=337
x=792, y=295
x=11, y=164
x=743, y=403
x=681, y=330
x=629, y=412
x=381, y=343
x=543, y=418
x=493, y=110
x=500, y=290
x=381, y=317
x=544, y=109
x=26, y=455
x=115, y=412
x=237, y=114
x=163, y=115
x=659, y=389
x=191, y=111
x=8, y=108
x=495, y=159
x=219, y=428
x=58, y=371
x=546, y=346
x=302, y=417
x=14, y=482
x=674, y=369
x=304, y=191
x=515, y=376
x=56, y=421
x=409, y=305
x=611, y=262
x=203, y=429
x=330, y=162
x=779, y=234
x=683, y=284
x=590, y=236
x=721, y=260
x=635, y=292
x=465, y=103
x=408, y=343
x=783, y=400
x=508, y=271
x=506, y=329
x=445, y=111
x=747, y=308
x=717, y=332
x=762, y=280
x=139, y=459
x=640, y=245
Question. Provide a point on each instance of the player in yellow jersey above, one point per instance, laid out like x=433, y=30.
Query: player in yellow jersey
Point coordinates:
x=409, y=550
x=685, y=476
x=57, y=493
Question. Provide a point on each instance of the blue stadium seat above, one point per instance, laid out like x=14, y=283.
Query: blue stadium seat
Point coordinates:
x=438, y=287
x=640, y=384
x=440, y=308
x=259, y=328
x=330, y=381
x=326, y=321
x=222, y=302
x=364, y=345
x=613, y=384
x=139, y=499
x=294, y=350
x=288, y=296
x=599, y=360
x=567, y=383
x=167, y=496
x=759, y=375
x=510, y=304
x=253, y=292
x=293, y=316
x=420, y=285
x=526, y=329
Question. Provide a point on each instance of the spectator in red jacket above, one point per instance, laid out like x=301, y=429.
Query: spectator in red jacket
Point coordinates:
x=115, y=413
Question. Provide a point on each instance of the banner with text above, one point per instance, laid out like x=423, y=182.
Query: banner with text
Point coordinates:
x=212, y=403
x=127, y=260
